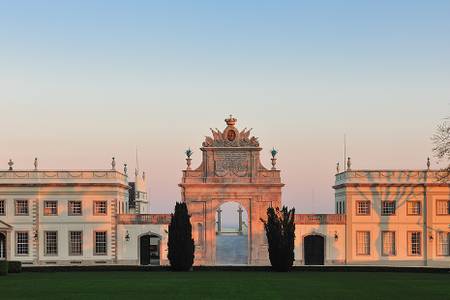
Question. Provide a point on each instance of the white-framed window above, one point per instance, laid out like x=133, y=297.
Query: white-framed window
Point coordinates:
x=75, y=208
x=75, y=243
x=387, y=208
x=100, y=243
x=50, y=208
x=51, y=242
x=443, y=243
x=414, y=243
x=388, y=242
x=21, y=207
x=22, y=243
x=413, y=208
x=2, y=207
x=443, y=207
x=100, y=208
x=363, y=208
x=363, y=243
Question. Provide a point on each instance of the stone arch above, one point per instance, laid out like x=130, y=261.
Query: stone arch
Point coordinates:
x=231, y=171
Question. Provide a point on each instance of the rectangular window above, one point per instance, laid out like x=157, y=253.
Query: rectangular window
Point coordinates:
x=388, y=241
x=363, y=243
x=75, y=208
x=363, y=208
x=21, y=207
x=100, y=243
x=51, y=243
x=443, y=207
x=387, y=208
x=443, y=243
x=414, y=243
x=50, y=208
x=2, y=207
x=100, y=208
x=22, y=243
x=75, y=243
x=413, y=208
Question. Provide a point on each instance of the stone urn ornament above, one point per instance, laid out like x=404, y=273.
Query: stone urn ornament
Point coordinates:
x=274, y=153
x=189, y=153
x=10, y=164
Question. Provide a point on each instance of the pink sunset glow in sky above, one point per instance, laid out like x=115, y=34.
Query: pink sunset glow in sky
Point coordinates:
x=82, y=83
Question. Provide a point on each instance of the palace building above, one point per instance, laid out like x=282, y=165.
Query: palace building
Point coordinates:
x=94, y=217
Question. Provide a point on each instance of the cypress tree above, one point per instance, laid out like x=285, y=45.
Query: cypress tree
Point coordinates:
x=280, y=232
x=181, y=245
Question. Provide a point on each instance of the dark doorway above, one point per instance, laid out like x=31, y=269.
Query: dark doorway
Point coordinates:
x=149, y=249
x=313, y=248
x=2, y=246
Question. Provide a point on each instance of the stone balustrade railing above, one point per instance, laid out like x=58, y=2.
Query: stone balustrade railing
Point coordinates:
x=391, y=177
x=143, y=219
x=319, y=219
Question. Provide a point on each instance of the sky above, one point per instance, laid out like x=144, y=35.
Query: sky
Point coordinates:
x=82, y=81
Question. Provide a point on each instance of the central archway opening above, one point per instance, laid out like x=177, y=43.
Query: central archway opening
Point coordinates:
x=231, y=234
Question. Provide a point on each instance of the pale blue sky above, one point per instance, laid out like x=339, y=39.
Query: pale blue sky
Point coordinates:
x=83, y=81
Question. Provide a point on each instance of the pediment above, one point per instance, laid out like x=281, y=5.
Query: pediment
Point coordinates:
x=5, y=226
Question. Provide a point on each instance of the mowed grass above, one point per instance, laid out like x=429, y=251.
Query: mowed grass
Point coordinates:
x=224, y=285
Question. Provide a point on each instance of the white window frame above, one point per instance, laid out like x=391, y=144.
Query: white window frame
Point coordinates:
x=22, y=243
x=442, y=207
x=51, y=243
x=2, y=207
x=48, y=210
x=412, y=209
x=76, y=245
x=17, y=207
x=388, y=246
x=363, y=243
x=414, y=243
x=100, y=208
x=443, y=243
x=388, y=208
x=70, y=210
x=99, y=244
x=363, y=208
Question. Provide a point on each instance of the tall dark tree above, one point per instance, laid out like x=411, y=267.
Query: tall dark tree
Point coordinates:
x=181, y=245
x=280, y=232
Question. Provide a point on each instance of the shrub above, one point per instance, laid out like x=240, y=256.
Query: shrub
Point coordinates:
x=14, y=267
x=3, y=267
x=280, y=232
x=181, y=245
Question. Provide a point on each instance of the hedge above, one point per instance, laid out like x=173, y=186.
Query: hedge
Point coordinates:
x=14, y=267
x=3, y=267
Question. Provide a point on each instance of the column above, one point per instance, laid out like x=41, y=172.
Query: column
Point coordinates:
x=219, y=220
x=240, y=210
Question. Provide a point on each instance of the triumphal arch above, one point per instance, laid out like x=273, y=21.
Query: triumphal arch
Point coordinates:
x=231, y=170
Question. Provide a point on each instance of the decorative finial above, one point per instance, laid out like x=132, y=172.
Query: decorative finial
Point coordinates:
x=428, y=163
x=125, y=169
x=274, y=153
x=113, y=163
x=337, y=168
x=189, y=153
x=10, y=164
x=35, y=163
x=231, y=121
x=143, y=175
x=349, y=164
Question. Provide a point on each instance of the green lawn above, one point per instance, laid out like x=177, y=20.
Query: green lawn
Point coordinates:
x=224, y=285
